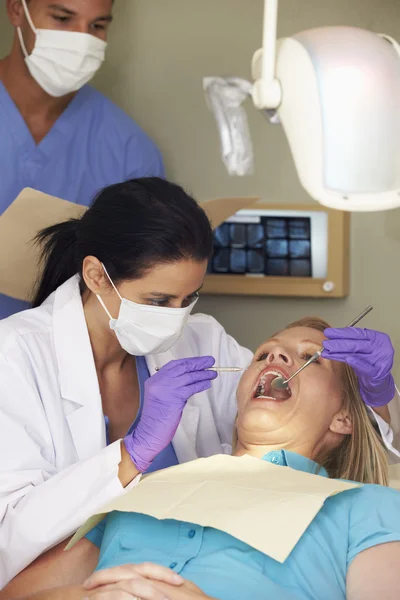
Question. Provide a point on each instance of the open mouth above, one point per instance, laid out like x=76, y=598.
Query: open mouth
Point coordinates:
x=264, y=388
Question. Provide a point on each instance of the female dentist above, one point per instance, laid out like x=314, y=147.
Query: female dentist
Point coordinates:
x=111, y=308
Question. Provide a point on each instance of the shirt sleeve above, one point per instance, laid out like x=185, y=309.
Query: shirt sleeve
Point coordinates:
x=374, y=519
x=143, y=158
x=96, y=534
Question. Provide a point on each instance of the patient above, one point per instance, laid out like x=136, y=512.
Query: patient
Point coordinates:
x=350, y=550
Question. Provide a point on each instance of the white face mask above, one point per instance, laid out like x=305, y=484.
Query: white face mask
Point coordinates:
x=62, y=61
x=142, y=329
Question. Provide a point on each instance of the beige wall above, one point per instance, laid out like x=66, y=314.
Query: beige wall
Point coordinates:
x=6, y=33
x=159, y=52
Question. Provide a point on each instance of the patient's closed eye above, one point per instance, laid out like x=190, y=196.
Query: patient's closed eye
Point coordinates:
x=306, y=356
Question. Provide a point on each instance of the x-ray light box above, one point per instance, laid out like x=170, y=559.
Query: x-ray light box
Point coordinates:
x=284, y=250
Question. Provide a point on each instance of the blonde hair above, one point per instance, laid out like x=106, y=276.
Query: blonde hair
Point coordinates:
x=361, y=455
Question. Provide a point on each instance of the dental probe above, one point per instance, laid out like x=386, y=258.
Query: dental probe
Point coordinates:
x=279, y=383
x=225, y=369
x=220, y=369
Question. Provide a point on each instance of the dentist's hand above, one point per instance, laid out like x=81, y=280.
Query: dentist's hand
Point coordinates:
x=370, y=353
x=165, y=397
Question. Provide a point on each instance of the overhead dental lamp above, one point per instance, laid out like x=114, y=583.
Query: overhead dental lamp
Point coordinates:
x=336, y=93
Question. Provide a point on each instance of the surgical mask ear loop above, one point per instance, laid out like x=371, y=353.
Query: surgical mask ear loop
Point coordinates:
x=100, y=299
x=19, y=32
x=111, y=281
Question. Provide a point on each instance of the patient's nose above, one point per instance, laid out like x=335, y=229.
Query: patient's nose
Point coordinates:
x=279, y=356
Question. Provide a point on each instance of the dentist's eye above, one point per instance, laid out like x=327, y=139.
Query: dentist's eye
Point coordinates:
x=262, y=356
x=154, y=302
x=189, y=299
x=61, y=19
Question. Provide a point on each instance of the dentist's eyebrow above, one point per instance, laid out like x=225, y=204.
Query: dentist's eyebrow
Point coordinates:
x=167, y=296
x=71, y=13
x=63, y=9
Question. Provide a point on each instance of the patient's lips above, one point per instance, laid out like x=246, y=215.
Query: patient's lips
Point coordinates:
x=264, y=389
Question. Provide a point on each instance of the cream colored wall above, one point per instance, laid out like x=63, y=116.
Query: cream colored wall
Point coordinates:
x=159, y=51
x=6, y=33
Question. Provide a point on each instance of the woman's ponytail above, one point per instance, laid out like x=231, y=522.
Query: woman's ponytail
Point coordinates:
x=130, y=227
x=59, y=257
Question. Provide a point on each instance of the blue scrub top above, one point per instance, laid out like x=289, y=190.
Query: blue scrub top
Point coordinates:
x=92, y=144
x=227, y=569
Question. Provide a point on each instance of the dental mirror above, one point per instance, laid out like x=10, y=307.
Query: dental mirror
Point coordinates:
x=280, y=383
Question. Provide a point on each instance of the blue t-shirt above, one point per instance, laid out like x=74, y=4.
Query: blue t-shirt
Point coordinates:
x=91, y=145
x=228, y=569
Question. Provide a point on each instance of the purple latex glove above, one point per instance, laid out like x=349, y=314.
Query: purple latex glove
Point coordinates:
x=165, y=397
x=370, y=353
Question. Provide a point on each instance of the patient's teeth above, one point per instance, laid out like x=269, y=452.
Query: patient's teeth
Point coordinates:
x=262, y=390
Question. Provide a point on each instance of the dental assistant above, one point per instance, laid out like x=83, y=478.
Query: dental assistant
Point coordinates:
x=58, y=134
x=80, y=418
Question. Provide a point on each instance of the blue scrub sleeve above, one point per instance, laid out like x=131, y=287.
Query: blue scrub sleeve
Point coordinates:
x=146, y=158
x=374, y=518
x=96, y=534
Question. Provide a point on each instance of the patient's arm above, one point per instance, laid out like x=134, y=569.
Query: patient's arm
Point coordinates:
x=53, y=569
x=146, y=580
x=186, y=592
x=375, y=573
x=63, y=593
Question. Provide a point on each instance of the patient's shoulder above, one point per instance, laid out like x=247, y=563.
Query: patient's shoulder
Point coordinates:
x=373, y=490
x=370, y=501
x=368, y=492
x=373, y=518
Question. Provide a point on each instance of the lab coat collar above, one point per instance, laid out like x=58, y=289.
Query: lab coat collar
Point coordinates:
x=79, y=384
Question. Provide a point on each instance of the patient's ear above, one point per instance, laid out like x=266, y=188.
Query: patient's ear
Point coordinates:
x=342, y=423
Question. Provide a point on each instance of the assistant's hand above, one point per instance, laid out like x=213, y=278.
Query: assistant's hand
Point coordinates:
x=370, y=353
x=132, y=581
x=165, y=397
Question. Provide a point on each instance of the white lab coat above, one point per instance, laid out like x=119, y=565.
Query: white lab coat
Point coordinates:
x=55, y=468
